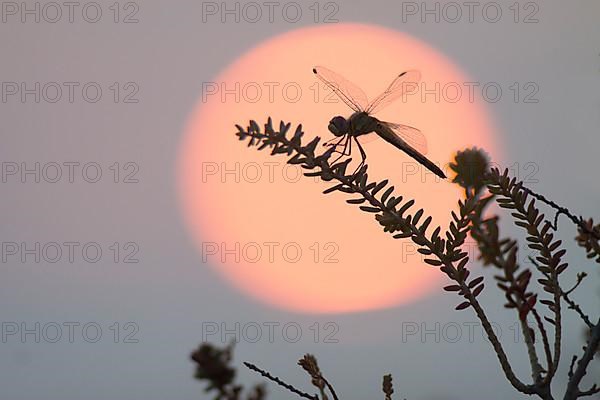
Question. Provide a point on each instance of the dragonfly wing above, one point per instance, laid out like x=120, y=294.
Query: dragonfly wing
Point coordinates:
x=396, y=134
x=350, y=94
x=405, y=83
x=410, y=135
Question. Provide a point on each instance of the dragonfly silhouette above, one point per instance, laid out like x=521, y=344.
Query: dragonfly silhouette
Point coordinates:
x=361, y=122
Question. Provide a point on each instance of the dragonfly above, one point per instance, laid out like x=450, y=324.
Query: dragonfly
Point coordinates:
x=362, y=123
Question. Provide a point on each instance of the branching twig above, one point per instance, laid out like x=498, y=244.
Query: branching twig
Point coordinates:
x=502, y=254
x=280, y=382
x=563, y=210
x=591, y=347
x=513, y=196
x=447, y=251
x=592, y=391
x=396, y=216
x=572, y=305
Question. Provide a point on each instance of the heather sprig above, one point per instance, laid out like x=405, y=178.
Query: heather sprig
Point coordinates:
x=482, y=186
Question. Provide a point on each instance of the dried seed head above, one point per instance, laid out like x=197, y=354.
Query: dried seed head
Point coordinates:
x=387, y=386
x=309, y=364
x=470, y=166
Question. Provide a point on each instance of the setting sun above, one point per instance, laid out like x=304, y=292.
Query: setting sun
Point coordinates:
x=270, y=231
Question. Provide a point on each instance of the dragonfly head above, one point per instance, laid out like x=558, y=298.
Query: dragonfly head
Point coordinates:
x=339, y=126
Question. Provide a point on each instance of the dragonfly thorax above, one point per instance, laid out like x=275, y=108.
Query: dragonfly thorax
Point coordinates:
x=361, y=123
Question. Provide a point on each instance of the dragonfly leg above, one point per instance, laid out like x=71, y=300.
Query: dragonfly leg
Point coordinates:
x=349, y=148
x=343, y=152
x=330, y=144
x=335, y=145
x=363, y=156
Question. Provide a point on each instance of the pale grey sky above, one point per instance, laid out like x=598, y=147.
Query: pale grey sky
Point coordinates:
x=161, y=61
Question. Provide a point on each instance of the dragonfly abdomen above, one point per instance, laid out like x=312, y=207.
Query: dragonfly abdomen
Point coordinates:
x=388, y=135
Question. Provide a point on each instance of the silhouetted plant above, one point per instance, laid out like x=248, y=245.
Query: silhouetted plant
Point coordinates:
x=213, y=366
x=444, y=250
x=588, y=239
